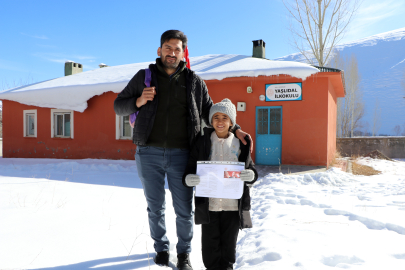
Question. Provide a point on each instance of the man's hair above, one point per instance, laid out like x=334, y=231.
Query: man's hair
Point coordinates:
x=169, y=34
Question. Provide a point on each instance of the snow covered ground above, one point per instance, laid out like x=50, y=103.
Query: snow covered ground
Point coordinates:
x=85, y=214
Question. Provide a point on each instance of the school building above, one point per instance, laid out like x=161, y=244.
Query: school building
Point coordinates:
x=288, y=108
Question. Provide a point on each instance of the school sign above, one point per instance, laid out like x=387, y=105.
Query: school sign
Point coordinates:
x=284, y=92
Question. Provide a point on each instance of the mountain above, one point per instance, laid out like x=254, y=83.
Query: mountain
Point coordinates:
x=381, y=62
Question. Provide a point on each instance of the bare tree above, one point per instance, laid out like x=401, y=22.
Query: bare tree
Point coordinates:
x=318, y=25
x=397, y=130
x=350, y=109
x=403, y=81
x=376, y=118
x=16, y=83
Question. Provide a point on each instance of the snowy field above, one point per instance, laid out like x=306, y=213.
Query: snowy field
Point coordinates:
x=91, y=214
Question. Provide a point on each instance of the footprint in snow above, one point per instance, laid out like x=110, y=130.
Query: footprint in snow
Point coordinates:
x=308, y=202
x=285, y=195
x=363, y=198
x=369, y=223
x=398, y=203
x=280, y=201
x=399, y=256
x=259, y=258
x=262, y=215
x=341, y=261
x=269, y=197
x=294, y=202
x=265, y=208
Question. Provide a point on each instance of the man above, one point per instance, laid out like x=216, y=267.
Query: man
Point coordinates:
x=169, y=119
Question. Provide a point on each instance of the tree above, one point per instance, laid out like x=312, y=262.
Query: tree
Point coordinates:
x=318, y=25
x=397, y=130
x=376, y=118
x=403, y=81
x=350, y=109
x=16, y=83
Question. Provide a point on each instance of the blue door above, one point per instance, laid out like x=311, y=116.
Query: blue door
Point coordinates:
x=268, y=135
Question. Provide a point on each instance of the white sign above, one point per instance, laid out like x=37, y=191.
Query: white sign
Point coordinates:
x=285, y=91
x=220, y=179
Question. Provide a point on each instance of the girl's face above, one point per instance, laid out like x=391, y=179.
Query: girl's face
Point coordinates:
x=222, y=123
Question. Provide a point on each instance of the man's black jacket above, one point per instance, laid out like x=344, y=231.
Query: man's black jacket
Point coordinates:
x=200, y=152
x=198, y=100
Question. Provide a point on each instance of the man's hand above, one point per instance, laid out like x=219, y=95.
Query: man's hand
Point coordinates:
x=241, y=136
x=147, y=95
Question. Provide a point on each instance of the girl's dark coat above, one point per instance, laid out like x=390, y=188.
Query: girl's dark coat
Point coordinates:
x=200, y=152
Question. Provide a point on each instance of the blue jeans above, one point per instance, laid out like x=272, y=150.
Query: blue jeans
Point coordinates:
x=153, y=164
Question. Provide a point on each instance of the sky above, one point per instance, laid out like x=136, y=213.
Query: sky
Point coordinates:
x=37, y=37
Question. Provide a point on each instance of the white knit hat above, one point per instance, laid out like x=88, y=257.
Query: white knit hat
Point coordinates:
x=225, y=106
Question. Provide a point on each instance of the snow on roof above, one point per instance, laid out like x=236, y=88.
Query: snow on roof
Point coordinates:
x=72, y=92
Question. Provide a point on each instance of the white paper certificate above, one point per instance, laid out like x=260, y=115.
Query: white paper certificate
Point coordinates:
x=220, y=179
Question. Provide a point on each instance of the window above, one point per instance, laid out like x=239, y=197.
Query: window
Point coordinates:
x=30, y=123
x=275, y=121
x=61, y=123
x=123, y=128
x=263, y=121
x=269, y=118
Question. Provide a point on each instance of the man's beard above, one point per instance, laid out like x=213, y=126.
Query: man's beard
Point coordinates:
x=168, y=65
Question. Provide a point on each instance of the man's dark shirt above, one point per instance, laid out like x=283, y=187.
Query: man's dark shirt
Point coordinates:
x=170, y=127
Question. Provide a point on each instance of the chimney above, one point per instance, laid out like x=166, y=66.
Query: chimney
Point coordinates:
x=102, y=65
x=259, y=50
x=72, y=68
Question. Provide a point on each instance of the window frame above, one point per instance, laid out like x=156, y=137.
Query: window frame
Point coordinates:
x=62, y=111
x=25, y=114
x=119, y=129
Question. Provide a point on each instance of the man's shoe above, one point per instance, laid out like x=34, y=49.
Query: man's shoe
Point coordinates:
x=162, y=258
x=183, y=262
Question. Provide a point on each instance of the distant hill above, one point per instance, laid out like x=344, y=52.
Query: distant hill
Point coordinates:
x=381, y=60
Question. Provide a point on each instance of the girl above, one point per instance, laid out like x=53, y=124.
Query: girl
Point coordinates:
x=221, y=219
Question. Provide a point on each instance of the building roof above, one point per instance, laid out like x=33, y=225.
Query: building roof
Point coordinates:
x=72, y=92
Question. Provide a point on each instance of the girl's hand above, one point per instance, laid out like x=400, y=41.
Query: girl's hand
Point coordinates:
x=246, y=175
x=192, y=180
